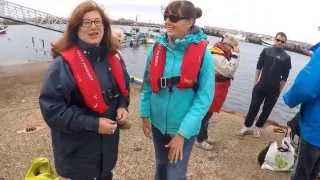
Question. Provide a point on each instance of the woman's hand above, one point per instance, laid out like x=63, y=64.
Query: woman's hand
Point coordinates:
x=122, y=115
x=107, y=126
x=175, y=148
x=146, y=127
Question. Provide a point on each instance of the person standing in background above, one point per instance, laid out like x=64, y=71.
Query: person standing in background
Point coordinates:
x=117, y=38
x=273, y=69
x=225, y=66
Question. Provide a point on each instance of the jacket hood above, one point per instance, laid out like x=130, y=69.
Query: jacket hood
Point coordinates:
x=195, y=35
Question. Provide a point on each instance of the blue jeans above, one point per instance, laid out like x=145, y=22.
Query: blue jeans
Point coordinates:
x=308, y=162
x=203, y=133
x=164, y=169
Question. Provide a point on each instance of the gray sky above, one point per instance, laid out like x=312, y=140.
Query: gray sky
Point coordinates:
x=298, y=19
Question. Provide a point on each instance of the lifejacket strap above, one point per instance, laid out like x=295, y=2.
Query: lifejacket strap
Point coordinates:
x=110, y=94
x=168, y=82
x=172, y=81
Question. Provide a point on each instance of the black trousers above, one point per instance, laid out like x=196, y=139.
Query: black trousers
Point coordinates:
x=203, y=134
x=308, y=162
x=265, y=95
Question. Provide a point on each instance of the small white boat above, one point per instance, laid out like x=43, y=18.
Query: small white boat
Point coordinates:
x=157, y=30
x=267, y=42
x=150, y=41
x=3, y=29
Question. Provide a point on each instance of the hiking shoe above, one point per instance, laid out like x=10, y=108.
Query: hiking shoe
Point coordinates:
x=210, y=141
x=204, y=145
x=257, y=132
x=245, y=131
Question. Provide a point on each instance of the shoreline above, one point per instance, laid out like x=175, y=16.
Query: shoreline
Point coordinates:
x=36, y=66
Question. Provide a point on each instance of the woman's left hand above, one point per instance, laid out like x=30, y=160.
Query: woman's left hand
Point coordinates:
x=122, y=115
x=175, y=148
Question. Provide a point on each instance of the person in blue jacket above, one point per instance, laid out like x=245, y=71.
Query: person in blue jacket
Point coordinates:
x=81, y=98
x=171, y=115
x=305, y=91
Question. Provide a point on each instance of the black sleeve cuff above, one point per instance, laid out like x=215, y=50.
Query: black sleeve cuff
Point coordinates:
x=92, y=124
x=124, y=102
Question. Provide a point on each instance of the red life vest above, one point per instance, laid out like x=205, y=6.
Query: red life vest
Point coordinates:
x=86, y=79
x=190, y=67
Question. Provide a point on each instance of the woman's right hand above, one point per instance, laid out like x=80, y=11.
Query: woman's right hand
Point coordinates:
x=146, y=127
x=107, y=126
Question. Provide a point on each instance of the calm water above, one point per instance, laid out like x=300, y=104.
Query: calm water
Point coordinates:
x=23, y=44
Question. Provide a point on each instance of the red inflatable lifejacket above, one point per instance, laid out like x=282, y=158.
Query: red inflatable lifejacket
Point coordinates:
x=86, y=79
x=190, y=67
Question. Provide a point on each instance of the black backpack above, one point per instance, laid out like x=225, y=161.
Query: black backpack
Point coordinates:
x=294, y=126
x=262, y=154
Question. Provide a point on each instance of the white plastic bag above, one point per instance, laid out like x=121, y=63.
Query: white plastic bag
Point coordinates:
x=279, y=158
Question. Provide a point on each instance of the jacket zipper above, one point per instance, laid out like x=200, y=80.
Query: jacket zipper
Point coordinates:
x=169, y=99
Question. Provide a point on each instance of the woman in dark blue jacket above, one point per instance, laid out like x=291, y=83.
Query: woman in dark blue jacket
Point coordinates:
x=85, y=96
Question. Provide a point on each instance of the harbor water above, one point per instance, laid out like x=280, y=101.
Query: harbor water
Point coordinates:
x=27, y=44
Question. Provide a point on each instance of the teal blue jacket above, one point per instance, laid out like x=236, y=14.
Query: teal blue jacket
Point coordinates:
x=181, y=110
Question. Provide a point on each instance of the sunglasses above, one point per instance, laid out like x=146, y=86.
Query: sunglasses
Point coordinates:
x=174, y=18
x=279, y=40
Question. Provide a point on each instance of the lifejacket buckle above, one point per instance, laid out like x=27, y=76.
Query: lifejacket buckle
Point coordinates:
x=110, y=94
x=163, y=82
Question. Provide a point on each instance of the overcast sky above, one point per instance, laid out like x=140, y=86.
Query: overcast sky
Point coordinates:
x=299, y=19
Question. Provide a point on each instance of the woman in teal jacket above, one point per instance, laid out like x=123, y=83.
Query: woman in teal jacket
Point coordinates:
x=306, y=91
x=173, y=115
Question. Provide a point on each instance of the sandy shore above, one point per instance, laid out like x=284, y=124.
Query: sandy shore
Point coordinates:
x=233, y=158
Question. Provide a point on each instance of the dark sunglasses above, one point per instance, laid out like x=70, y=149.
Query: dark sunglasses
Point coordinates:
x=279, y=40
x=174, y=18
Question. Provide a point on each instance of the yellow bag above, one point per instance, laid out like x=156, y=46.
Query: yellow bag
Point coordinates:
x=41, y=170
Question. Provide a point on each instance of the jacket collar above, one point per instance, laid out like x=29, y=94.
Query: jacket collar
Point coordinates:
x=94, y=53
x=195, y=35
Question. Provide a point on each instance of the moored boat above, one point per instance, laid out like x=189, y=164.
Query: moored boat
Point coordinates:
x=267, y=42
x=3, y=29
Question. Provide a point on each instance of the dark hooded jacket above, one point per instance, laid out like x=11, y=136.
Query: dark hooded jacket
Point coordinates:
x=79, y=151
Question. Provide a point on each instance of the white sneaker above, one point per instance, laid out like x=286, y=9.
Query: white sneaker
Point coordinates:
x=245, y=131
x=210, y=141
x=257, y=132
x=204, y=145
